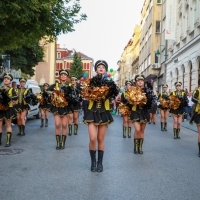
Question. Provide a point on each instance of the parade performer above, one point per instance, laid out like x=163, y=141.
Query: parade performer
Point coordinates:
x=141, y=99
x=196, y=116
x=25, y=97
x=163, y=98
x=76, y=99
x=8, y=98
x=153, y=110
x=99, y=91
x=44, y=100
x=125, y=110
x=60, y=101
x=178, y=100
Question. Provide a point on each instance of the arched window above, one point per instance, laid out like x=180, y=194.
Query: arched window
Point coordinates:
x=177, y=74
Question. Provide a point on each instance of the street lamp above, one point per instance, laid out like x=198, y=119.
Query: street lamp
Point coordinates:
x=158, y=52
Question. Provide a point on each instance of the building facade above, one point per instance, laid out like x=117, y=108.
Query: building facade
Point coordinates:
x=183, y=61
x=65, y=58
x=128, y=64
x=150, y=38
x=44, y=71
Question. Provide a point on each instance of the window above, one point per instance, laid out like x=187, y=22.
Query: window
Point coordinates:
x=156, y=58
x=158, y=26
x=58, y=55
x=159, y=1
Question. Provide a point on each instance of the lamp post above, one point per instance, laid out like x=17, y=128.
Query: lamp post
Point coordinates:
x=158, y=52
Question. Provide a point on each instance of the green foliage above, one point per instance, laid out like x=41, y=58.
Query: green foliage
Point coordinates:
x=76, y=68
x=23, y=23
x=25, y=58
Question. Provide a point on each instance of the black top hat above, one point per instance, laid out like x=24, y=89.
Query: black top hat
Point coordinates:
x=139, y=77
x=22, y=80
x=128, y=82
x=64, y=71
x=46, y=84
x=7, y=75
x=164, y=85
x=177, y=83
x=101, y=62
x=73, y=78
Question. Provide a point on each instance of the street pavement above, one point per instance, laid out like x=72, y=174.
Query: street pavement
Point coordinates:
x=32, y=169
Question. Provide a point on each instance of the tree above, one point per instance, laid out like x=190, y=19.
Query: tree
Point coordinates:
x=76, y=68
x=23, y=23
x=25, y=58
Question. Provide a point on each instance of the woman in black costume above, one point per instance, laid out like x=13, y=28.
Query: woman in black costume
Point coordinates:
x=98, y=115
x=126, y=122
x=25, y=96
x=8, y=98
x=196, y=116
x=44, y=105
x=140, y=114
x=163, y=97
x=177, y=113
x=75, y=106
x=60, y=101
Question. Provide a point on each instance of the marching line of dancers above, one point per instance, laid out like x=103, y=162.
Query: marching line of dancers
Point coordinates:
x=63, y=99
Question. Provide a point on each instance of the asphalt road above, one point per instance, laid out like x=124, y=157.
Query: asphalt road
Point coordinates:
x=32, y=169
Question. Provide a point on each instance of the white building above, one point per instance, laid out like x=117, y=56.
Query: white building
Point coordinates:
x=183, y=60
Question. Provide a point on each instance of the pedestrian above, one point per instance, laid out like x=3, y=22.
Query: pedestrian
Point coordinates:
x=25, y=97
x=178, y=100
x=60, y=107
x=188, y=108
x=8, y=98
x=139, y=113
x=196, y=116
x=126, y=122
x=76, y=106
x=44, y=100
x=163, y=98
x=98, y=90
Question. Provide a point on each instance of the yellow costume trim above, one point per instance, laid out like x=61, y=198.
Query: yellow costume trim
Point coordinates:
x=106, y=104
x=197, y=109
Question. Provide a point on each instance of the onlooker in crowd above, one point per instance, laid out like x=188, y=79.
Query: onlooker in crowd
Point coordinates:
x=188, y=109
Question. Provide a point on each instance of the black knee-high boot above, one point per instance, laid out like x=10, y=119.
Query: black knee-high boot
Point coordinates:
x=9, y=135
x=178, y=133
x=129, y=132
x=46, y=122
x=199, y=149
x=93, y=160
x=140, y=146
x=58, y=142
x=42, y=123
x=165, y=126
x=100, y=160
x=175, y=133
x=136, y=146
x=23, y=130
x=75, y=129
x=124, y=131
x=63, y=141
x=20, y=130
x=0, y=138
x=162, y=126
x=70, y=129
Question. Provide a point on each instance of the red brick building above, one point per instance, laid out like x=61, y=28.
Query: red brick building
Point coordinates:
x=65, y=58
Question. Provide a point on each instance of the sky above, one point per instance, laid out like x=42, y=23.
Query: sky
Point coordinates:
x=107, y=30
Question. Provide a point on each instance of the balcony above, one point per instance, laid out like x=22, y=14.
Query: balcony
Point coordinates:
x=150, y=72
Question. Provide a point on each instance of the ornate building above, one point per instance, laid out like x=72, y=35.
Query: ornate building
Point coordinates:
x=183, y=61
x=65, y=58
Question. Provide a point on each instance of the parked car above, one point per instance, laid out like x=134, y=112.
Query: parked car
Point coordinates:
x=33, y=85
